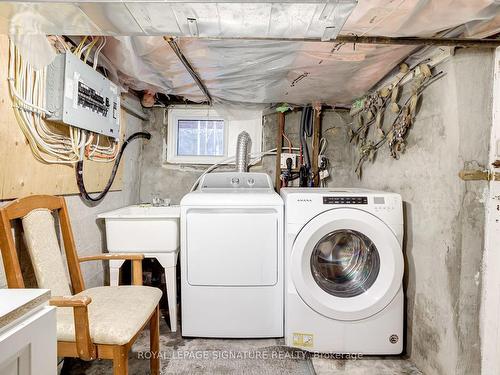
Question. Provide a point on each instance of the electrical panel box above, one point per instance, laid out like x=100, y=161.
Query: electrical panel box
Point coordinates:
x=79, y=96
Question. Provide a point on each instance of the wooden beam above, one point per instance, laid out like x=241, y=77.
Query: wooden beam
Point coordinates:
x=402, y=41
x=279, y=145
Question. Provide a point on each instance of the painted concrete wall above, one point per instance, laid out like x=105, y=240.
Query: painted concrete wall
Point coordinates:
x=90, y=234
x=445, y=216
x=172, y=181
x=490, y=303
x=88, y=231
x=165, y=179
x=158, y=178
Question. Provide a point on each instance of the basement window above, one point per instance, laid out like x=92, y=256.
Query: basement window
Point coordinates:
x=200, y=137
x=203, y=135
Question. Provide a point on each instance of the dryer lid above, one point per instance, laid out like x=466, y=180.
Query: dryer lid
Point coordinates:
x=346, y=264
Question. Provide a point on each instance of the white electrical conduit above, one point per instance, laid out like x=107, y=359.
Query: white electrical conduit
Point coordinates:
x=256, y=157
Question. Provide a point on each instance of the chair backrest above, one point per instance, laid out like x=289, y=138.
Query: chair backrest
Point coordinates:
x=45, y=253
x=43, y=246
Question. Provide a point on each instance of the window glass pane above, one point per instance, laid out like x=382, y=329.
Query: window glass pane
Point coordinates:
x=200, y=137
x=345, y=263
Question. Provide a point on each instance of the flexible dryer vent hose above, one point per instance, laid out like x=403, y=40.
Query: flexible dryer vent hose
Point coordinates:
x=242, y=151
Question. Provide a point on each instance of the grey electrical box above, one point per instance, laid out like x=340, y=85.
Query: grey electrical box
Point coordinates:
x=79, y=96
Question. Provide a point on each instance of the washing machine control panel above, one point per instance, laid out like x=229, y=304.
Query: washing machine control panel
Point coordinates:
x=345, y=200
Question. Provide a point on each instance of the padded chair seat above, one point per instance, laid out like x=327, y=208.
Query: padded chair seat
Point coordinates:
x=116, y=313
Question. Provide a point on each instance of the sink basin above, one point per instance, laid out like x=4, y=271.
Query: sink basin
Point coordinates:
x=142, y=229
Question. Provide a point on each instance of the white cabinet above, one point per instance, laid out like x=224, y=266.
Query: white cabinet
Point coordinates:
x=28, y=342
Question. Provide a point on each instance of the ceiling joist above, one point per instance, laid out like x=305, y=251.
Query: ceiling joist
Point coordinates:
x=382, y=40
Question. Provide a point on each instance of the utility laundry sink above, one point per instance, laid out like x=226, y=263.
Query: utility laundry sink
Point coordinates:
x=142, y=228
x=152, y=231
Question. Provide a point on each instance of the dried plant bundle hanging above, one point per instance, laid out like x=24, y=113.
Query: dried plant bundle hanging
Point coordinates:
x=369, y=112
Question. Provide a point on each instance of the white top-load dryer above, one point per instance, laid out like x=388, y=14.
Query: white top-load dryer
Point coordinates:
x=232, y=257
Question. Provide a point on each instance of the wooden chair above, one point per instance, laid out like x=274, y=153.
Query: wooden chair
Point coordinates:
x=92, y=323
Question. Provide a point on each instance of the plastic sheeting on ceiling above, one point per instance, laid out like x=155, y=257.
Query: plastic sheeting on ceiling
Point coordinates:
x=252, y=71
x=295, y=72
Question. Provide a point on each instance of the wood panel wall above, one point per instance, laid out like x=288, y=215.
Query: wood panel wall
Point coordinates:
x=20, y=173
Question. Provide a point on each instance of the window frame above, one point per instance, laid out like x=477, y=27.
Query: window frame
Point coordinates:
x=189, y=113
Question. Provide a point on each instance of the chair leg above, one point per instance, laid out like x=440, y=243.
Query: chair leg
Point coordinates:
x=120, y=360
x=154, y=342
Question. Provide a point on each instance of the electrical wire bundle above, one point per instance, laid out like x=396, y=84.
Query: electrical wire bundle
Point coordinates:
x=306, y=130
x=27, y=89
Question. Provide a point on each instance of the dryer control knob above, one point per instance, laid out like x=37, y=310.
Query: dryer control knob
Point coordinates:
x=235, y=180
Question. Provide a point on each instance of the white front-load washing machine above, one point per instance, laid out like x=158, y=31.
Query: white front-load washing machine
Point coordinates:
x=343, y=270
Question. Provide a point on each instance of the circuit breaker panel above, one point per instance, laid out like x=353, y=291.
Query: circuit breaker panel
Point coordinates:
x=79, y=96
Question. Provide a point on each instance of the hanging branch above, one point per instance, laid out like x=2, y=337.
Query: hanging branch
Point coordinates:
x=405, y=118
x=371, y=110
x=377, y=101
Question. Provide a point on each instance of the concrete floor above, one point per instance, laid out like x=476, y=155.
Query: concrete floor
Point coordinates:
x=185, y=356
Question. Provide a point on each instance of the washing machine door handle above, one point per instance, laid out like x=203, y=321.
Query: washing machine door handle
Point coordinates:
x=346, y=264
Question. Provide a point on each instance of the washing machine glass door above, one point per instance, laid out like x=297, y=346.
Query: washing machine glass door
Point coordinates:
x=347, y=264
